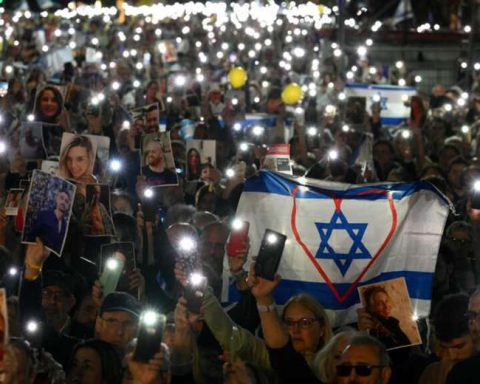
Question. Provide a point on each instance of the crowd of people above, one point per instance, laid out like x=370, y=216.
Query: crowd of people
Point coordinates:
x=65, y=321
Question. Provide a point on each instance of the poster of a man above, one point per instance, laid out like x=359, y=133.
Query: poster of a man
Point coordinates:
x=158, y=164
x=97, y=218
x=49, y=208
x=388, y=307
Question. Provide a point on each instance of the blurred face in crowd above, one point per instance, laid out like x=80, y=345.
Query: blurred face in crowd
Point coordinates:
x=86, y=367
x=367, y=359
x=238, y=373
x=304, y=329
x=78, y=161
x=155, y=157
x=380, y=305
x=457, y=349
x=116, y=327
x=48, y=104
x=454, y=176
x=87, y=312
x=57, y=303
x=151, y=91
x=474, y=319
x=14, y=367
x=383, y=154
x=152, y=119
x=213, y=246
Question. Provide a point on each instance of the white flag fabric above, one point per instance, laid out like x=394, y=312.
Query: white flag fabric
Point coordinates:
x=342, y=236
x=391, y=99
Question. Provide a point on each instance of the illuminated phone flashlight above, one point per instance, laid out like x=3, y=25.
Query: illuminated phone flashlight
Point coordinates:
x=136, y=83
x=330, y=109
x=115, y=85
x=8, y=69
x=258, y=130
x=112, y=263
x=376, y=98
x=465, y=129
x=32, y=327
x=230, y=173
x=13, y=271
x=342, y=96
x=312, y=131
x=234, y=101
x=461, y=102
x=237, y=127
x=3, y=146
x=476, y=186
x=447, y=107
x=406, y=134
x=115, y=165
x=196, y=279
x=243, y=147
x=126, y=124
x=418, y=79
x=148, y=193
x=180, y=80
x=94, y=100
x=187, y=244
x=362, y=51
x=256, y=99
x=237, y=224
x=31, y=117
x=272, y=238
x=333, y=154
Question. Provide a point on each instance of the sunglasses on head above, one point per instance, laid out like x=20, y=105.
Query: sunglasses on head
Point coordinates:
x=344, y=370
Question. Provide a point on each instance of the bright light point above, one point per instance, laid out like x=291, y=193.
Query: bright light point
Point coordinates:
x=72, y=45
x=337, y=52
x=350, y=75
x=12, y=271
x=464, y=65
x=312, y=131
x=149, y=318
x=180, y=81
x=271, y=238
x=465, y=129
x=136, y=83
x=376, y=98
x=95, y=41
x=362, y=50
x=402, y=82
x=258, y=130
x=115, y=165
x=115, y=85
x=187, y=244
x=234, y=101
x=330, y=109
x=298, y=52
x=461, y=102
x=112, y=264
x=45, y=48
x=237, y=127
x=372, y=70
x=230, y=173
x=345, y=128
x=448, y=107
x=169, y=99
x=405, y=98
x=196, y=278
x=369, y=42
x=476, y=66
x=30, y=117
x=342, y=96
x=32, y=326
x=414, y=317
x=399, y=64
x=476, y=185
x=467, y=29
x=148, y=193
x=256, y=99
x=464, y=95
x=333, y=154
x=243, y=147
x=237, y=224
x=418, y=79
x=406, y=134
x=8, y=69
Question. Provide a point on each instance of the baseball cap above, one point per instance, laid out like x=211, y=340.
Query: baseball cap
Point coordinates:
x=121, y=301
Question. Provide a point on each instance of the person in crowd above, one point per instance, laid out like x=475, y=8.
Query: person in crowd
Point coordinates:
x=193, y=164
x=48, y=105
x=97, y=219
x=364, y=360
x=155, y=170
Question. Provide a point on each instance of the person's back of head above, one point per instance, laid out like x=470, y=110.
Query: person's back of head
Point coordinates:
x=449, y=320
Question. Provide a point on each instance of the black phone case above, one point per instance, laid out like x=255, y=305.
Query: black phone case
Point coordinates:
x=194, y=297
x=269, y=256
x=149, y=339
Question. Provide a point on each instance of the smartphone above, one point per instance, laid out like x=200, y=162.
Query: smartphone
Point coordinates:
x=3, y=88
x=149, y=336
x=194, y=291
x=125, y=252
x=269, y=255
x=238, y=236
x=475, y=199
x=112, y=272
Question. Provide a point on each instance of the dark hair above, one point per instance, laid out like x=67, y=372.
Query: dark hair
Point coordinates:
x=125, y=227
x=58, y=99
x=384, y=142
x=111, y=364
x=449, y=320
x=363, y=339
x=190, y=151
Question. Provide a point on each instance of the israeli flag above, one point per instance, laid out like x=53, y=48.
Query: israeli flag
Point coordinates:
x=391, y=98
x=342, y=236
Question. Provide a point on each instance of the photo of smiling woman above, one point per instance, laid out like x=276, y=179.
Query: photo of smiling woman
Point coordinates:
x=77, y=158
x=48, y=105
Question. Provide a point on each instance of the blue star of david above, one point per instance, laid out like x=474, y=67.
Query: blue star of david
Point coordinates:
x=383, y=102
x=354, y=230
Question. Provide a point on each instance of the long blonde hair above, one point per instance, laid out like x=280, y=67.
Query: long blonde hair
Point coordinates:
x=77, y=141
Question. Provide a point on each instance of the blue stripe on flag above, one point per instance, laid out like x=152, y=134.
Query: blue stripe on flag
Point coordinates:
x=419, y=286
x=379, y=87
x=393, y=120
x=269, y=182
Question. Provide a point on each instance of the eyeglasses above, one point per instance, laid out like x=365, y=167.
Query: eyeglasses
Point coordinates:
x=472, y=316
x=364, y=370
x=304, y=323
x=54, y=295
x=125, y=325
